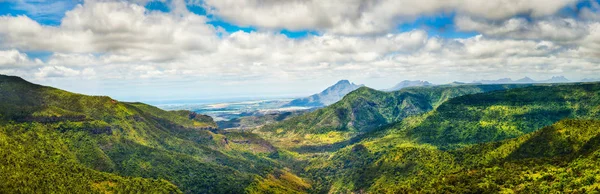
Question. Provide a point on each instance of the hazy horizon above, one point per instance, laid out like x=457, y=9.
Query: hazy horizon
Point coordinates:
x=267, y=95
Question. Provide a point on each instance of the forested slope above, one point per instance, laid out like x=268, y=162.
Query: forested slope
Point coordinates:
x=532, y=140
x=442, y=139
x=100, y=139
x=363, y=110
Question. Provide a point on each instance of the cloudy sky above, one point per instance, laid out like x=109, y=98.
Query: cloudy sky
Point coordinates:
x=144, y=50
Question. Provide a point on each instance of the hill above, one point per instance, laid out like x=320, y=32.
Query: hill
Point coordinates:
x=328, y=96
x=101, y=142
x=363, y=110
x=544, y=139
x=408, y=83
x=500, y=115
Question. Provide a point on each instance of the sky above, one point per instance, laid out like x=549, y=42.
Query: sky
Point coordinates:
x=167, y=50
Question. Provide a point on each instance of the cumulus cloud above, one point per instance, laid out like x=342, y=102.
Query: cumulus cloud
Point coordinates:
x=113, y=27
x=365, y=16
x=555, y=29
x=106, y=40
x=15, y=59
x=72, y=59
x=56, y=71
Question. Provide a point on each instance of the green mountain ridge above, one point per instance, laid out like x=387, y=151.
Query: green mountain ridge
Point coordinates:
x=115, y=140
x=366, y=109
x=431, y=152
x=467, y=138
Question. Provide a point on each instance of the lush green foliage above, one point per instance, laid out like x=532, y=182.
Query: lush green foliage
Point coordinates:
x=406, y=157
x=506, y=114
x=563, y=157
x=364, y=110
x=36, y=160
x=443, y=139
x=100, y=141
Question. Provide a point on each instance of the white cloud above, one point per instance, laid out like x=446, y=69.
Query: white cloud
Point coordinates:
x=56, y=71
x=15, y=59
x=103, y=40
x=72, y=59
x=555, y=29
x=591, y=13
x=365, y=16
x=113, y=27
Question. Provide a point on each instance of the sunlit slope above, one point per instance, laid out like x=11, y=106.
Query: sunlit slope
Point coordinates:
x=36, y=159
x=366, y=109
x=564, y=157
x=501, y=115
x=554, y=148
x=129, y=139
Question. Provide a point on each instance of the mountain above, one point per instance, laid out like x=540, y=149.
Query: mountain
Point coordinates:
x=498, y=81
x=495, y=116
x=56, y=141
x=590, y=80
x=524, y=140
x=556, y=79
x=525, y=80
x=328, y=96
x=408, y=83
x=363, y=110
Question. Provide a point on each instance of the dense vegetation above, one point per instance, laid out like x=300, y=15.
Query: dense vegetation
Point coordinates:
x=96, y=143
x=506, y=114
x=440, y=139
x=453, y=149
x=363, y=110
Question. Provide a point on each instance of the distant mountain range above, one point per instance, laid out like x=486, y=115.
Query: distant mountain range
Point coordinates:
x=590, y=80
x=554, y=79
x=328, y=96
x=408, y=83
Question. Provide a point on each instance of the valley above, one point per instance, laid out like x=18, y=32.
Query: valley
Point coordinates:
x=299, y=96
x=467, y=138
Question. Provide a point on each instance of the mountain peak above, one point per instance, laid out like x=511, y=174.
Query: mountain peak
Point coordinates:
x=409, y=83
x=344, y=81
x=498, y=81
x=328, y=96
x=525, y=80
x=559, y=78
x=341, y=85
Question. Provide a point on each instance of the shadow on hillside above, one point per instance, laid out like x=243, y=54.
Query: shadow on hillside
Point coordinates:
x=589, y=147
x=546, y=145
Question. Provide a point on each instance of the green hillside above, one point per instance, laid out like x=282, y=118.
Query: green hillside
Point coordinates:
x=442, y=139
x=560, y=158
x=105, y=141
x=547, y=152
x=501, y=115
x=363, y=110
x=564, y=157
x=36, y=159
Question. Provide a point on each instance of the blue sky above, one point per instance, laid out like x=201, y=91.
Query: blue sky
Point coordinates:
x=235, y=48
